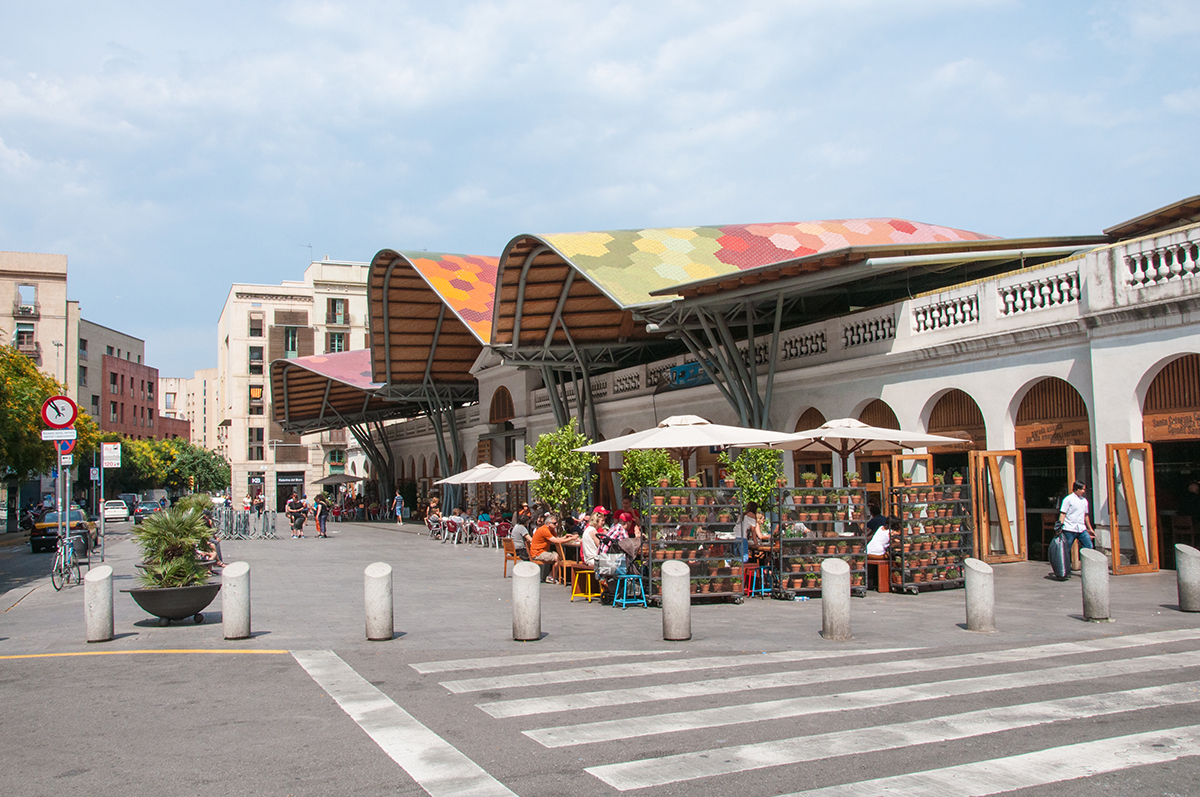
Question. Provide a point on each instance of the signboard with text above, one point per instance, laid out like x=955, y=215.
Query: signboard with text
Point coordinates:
x=110, y=455
x=1178, y=425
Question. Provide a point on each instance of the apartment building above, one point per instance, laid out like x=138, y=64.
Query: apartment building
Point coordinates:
x=96, y=342
x=43, y=322
x=192, y=400
x=325, y=312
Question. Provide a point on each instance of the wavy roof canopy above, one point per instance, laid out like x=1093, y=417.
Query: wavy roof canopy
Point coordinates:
x=328, y=391
x=408, y=293
x=630, y=265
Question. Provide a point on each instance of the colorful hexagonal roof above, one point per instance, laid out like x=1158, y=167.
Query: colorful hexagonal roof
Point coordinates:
x=466, y=283
x=630, y=264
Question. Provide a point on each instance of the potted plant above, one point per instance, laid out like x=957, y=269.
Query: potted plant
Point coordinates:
x=853, y=477
x=175, y=582
x=809, y=478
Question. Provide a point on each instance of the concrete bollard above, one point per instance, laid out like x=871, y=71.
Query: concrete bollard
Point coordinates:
x=235, y=601
x=1095, y=585
x=835, y=599
x=676, y=602
x=527, y=602
x=377, y=592
x=98, y=604
x=981, y=596
x=1187, y=573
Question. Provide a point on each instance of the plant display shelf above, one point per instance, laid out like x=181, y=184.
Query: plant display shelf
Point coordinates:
x=935, y=536
x=682, y=524
x=835, y=518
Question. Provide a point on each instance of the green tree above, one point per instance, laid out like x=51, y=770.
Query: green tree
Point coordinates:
x=563, y=471
x=644, y=469
x=23, y=390
x=210, y=470
x=755, y=472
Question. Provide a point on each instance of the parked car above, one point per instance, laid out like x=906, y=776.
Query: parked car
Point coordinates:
x=144, y=511
x=44, y=536
x=116, y=510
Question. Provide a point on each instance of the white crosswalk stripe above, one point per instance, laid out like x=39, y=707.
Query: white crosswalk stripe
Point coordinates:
x=526, y=660
x=1133, y=681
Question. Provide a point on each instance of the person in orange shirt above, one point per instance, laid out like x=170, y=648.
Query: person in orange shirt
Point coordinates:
x=543, y=538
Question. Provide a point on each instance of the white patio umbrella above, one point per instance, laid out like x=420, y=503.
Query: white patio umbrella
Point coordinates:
x=846, y=436
x=513, y=472
x=684, y=433
x=470, y=475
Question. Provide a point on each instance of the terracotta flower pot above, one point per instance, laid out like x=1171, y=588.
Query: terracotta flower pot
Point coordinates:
x=659, y=500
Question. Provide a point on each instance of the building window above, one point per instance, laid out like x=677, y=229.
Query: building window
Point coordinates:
x=337, y=342
x=83, y=348
x=256, y=394
x=24, y=334
x=169, y=401
x=112, y=382
x=150, y=391
x=112, y=412
x=108, y=350
x=291, y=342
x=150, y=415
x=336, y=312
x=122, y=412
x=83, y=376
x=337, y=462
x=95, y=405
x=143, y=390
x=255, y=450
x=256, y=325
x=256, y=360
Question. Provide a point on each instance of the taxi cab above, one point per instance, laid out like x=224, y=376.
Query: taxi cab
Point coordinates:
x=44, y=536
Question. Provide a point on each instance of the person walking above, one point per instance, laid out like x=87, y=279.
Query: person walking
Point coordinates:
x=1076, y=523
x=322, y=512
x=398, y=507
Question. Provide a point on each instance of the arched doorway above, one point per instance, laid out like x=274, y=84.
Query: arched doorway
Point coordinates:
x=815, y=461
x=875, y=465
x=1171, y=425
x=956, y=415
x=1053, y=434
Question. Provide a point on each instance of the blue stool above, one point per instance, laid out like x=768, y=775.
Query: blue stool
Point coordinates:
x=760, y=582
x=621, y=595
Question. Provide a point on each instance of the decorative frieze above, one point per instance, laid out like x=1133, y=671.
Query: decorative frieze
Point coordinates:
x=807, y=344
x=946, y=314
x=1166, y=263
x=1052, y=291
x=627, y=382
x=868, y=330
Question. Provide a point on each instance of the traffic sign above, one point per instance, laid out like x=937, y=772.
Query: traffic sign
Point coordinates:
x=110, y=455
x=59, y=434
x=95, y=474
x=67, y=459
x=59, y=412
x=65, y=446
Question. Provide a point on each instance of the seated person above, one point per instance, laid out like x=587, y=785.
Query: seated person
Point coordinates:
x=758, y=538
x=539, y=546
x=519, y=534
x=877, y=546
x=590, y=542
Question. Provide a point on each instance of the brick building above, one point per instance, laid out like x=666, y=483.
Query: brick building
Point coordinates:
x=129, y=402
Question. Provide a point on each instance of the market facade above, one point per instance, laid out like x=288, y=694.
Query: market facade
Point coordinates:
x=1051, y=359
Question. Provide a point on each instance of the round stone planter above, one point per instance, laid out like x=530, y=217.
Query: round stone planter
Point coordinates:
x=175, y=603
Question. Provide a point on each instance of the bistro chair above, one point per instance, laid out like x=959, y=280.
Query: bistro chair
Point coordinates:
x=567, y=567
x=510, y=555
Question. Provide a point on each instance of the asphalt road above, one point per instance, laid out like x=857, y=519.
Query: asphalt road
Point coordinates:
x=757, y=704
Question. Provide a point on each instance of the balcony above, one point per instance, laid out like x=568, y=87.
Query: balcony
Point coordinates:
x=338, y=319
x=26, y=310
x=335, y=437
x=31, y=349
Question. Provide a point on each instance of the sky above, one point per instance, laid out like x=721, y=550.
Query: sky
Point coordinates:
x=170, y=149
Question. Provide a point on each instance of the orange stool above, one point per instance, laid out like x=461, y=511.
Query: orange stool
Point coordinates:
x=882, y=571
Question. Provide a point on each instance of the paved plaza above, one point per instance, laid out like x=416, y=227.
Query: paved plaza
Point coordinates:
x=756, y=704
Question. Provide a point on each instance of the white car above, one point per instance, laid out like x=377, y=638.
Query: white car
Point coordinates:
x=116, y=510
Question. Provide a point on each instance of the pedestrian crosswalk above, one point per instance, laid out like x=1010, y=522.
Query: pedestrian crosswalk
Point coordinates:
x=783, y=715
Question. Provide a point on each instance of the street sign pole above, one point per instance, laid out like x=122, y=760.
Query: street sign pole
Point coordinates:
x=100, y=499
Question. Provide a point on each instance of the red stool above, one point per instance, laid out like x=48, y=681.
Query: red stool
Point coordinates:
x=882, y=571
x=748, y=575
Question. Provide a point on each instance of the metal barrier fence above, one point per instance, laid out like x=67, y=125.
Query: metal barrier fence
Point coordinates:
x=239, y=524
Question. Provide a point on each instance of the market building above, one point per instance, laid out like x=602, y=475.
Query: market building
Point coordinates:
x=1051, y=359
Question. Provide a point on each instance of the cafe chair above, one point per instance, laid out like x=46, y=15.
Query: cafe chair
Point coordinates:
x=510, y=555
x=625, y=596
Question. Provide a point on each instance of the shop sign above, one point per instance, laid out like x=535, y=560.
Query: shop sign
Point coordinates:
x=1172, y=426
x=289, y=478
x=254, y=480
x=1053, y=434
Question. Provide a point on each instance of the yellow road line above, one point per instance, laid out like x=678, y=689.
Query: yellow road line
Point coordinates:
x=134, y=652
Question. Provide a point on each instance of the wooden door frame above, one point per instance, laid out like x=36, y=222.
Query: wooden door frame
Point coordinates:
x=899, y=459
x=1147, y=549
x=1012, y=529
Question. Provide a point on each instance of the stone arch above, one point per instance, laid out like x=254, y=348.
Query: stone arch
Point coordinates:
x=811, y=418
x=878, y=412
x=1050, y=412
x=1168, y=397
x=955, y=413
x=501, y=408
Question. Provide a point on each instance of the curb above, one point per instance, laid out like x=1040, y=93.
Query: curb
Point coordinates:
x=16, y=538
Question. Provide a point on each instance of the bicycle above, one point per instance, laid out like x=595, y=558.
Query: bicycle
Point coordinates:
x=66, y=564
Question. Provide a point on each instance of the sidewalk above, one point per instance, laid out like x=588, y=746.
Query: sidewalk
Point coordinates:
x=308, y=593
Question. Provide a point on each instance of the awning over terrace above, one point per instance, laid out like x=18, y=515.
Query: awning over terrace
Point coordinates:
x=329, y=391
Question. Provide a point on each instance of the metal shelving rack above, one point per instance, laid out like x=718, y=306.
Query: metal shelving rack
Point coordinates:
x=835, y=518
x=936, y=534
x=696, y=528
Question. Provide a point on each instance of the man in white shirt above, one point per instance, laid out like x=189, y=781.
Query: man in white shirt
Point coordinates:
x=1076, y=523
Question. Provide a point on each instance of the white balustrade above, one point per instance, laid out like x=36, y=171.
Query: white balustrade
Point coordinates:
x=946, y=314
x=1052, y=291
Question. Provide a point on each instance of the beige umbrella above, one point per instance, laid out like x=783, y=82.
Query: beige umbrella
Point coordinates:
x=473, y=475
x=846, y=436
x=514, y=472
x=684, y=433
